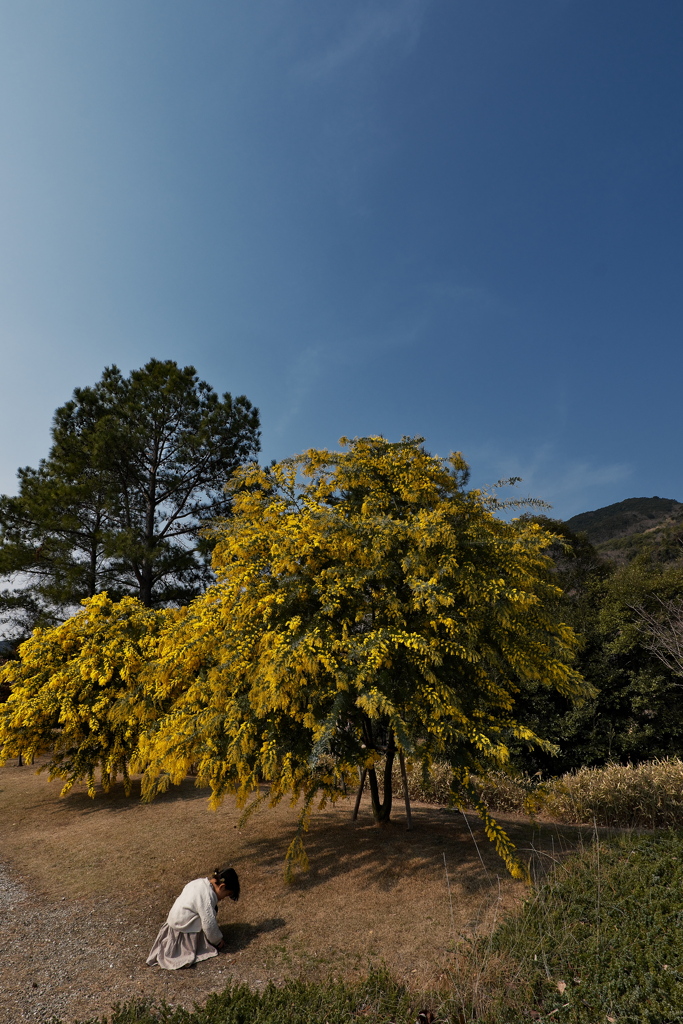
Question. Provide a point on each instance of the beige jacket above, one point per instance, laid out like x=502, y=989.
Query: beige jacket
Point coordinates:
x=196, y=909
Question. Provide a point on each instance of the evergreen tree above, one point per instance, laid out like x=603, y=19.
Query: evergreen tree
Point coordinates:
x=636, y=713
x=137, y=467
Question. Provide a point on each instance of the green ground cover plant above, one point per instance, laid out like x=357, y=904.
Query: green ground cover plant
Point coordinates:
x=376, y=1000
x=601, y=940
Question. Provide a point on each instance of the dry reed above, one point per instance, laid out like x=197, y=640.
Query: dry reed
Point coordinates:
x=500, y=792
x=648, y=795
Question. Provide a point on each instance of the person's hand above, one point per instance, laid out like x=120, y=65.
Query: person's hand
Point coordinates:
x=220, y=944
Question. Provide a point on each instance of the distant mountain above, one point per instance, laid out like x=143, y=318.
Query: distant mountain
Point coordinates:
x=627, y=528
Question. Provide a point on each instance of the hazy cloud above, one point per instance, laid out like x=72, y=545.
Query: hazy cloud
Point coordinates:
x=569, y=487
x=368, y=29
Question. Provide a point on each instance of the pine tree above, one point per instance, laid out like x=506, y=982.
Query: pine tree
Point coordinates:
x=136, y=468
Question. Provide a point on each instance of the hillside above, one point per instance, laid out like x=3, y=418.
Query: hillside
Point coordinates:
x=635, y=525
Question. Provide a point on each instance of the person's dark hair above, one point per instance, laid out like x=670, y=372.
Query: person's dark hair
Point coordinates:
x=228, y=878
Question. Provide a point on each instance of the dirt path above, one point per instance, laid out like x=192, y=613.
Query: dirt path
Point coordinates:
x=87, y=883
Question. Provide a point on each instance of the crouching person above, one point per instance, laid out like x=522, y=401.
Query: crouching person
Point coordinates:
x=191, y=932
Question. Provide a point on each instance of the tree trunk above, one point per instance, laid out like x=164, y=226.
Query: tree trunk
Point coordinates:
x=92, y=574
x=404, y=779
x=149, y=539
x=382, y=811
x=146, y=585
x=361, y=787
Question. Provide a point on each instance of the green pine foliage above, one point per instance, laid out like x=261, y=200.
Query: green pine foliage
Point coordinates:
x=137, y=467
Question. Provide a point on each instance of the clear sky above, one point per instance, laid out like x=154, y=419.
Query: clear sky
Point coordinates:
x=455, y=218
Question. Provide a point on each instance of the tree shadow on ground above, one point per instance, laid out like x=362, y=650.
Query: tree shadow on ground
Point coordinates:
x=116, y=800
x=239, y=935
x=441, y=840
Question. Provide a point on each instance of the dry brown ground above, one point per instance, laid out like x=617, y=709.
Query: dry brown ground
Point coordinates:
x=89, y=882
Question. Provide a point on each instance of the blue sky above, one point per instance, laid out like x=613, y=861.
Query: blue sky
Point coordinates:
x=454, y=218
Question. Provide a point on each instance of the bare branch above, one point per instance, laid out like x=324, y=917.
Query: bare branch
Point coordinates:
x=663, y=633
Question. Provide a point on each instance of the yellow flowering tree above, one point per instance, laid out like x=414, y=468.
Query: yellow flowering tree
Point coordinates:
x=366, y=604
x=75, y=692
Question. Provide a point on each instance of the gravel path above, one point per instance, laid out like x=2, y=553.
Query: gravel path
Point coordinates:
x=74, y=961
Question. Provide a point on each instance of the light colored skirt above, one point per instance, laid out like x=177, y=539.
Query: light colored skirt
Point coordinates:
x=173, y=949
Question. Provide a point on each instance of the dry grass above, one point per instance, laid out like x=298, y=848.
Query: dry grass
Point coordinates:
x=648, y=795
x=500, y=792
x=372, y=895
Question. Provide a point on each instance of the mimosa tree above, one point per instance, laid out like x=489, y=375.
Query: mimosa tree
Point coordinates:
x=366, y=604
x=75, y=692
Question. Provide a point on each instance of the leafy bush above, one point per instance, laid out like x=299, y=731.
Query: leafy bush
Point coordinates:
x=648, y=795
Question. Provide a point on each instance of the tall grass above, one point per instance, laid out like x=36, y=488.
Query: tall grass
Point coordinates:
x=501, y=791
x=647, y=795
